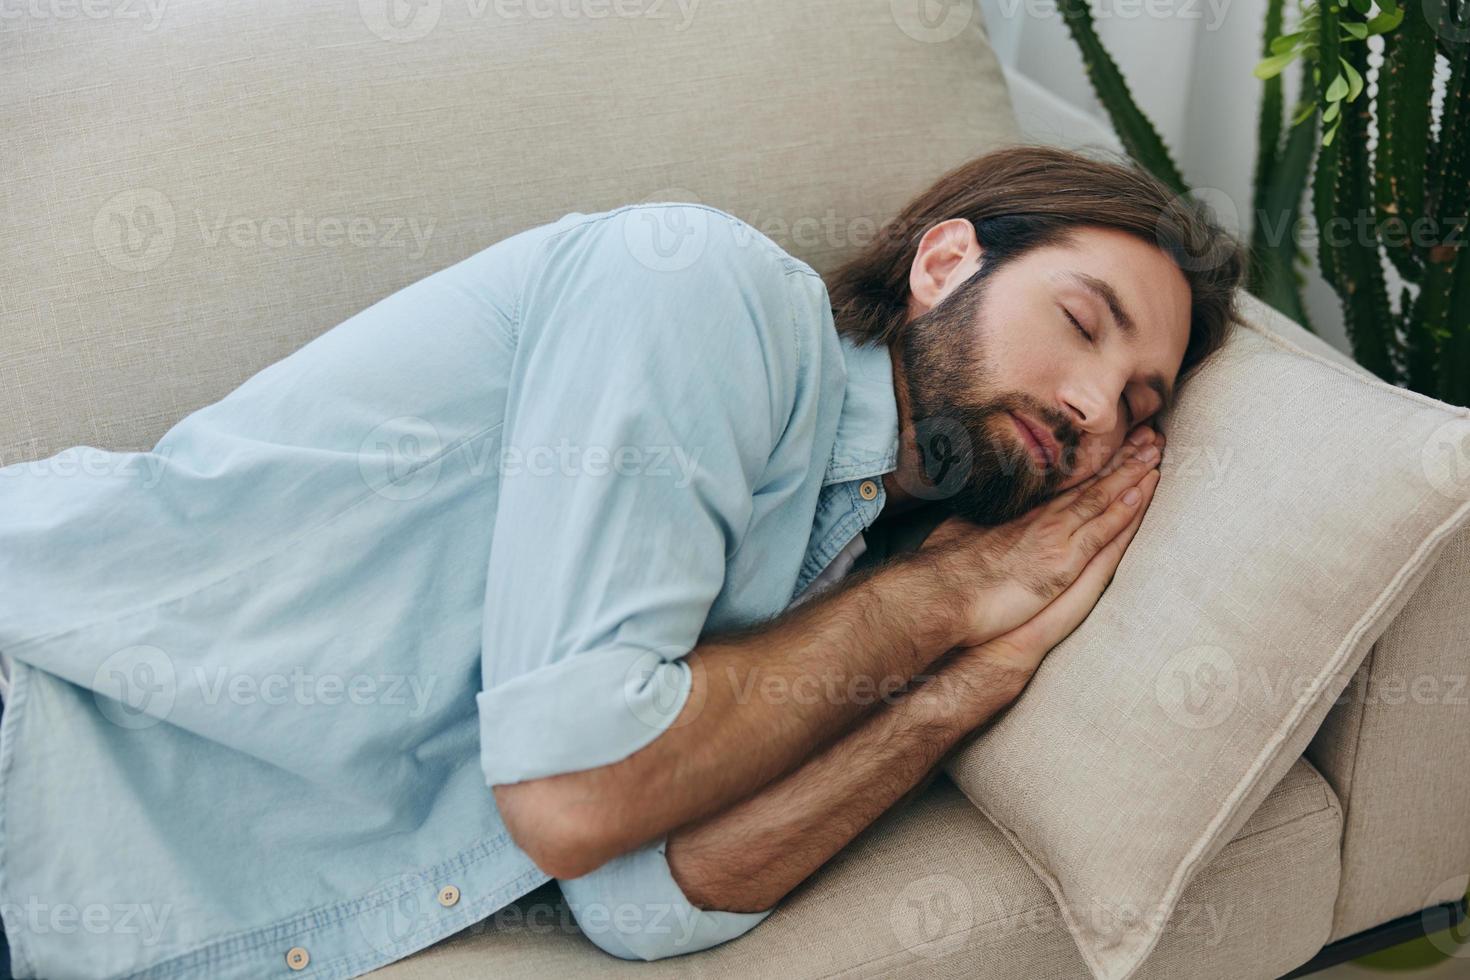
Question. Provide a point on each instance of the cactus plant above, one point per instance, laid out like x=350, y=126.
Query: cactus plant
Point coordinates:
x=1403, y=199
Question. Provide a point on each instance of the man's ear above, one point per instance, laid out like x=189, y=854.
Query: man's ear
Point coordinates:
x=947, y=255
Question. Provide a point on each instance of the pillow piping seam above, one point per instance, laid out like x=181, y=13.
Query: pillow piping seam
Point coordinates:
x=1427, y=547
x=1371, y=382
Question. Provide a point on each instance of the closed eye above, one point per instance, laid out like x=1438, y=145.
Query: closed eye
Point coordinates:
x=1077, y=325
x=1126, y=406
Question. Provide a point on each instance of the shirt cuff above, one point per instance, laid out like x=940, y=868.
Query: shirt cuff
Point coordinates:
x=585, y=711
x=633, y=908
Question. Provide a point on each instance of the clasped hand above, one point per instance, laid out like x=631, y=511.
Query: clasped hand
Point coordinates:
x=1029, y=583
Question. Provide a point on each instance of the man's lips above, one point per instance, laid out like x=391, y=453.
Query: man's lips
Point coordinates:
x=1037, y=440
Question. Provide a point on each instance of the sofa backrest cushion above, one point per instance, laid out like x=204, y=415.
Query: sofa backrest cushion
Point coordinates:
x=193, y=190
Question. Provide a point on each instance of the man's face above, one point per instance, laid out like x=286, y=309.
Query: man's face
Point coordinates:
x=982, y=350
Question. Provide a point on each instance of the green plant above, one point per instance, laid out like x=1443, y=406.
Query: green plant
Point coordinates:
x=1405, y=199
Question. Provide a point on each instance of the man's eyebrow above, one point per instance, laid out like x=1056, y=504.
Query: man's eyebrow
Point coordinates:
x=1104, y=291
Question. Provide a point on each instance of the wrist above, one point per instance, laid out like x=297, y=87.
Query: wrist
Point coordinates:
x=966, y=690
x=945, y=615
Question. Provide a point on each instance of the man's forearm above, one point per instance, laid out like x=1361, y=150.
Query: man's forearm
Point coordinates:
x=746, y=858
x=762, y=700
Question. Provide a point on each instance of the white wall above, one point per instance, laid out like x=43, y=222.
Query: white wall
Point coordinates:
x=1188, y=64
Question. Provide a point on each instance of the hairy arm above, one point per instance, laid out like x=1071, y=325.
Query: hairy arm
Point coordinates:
x=883, y=626
x=749, y=856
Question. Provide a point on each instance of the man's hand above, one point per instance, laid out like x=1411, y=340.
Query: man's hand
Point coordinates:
x=966, y=678
x=1004, y=575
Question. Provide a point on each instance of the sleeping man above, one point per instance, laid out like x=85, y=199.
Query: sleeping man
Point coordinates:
x=626, y=552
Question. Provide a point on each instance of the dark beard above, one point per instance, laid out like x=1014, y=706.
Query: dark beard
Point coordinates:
x=973, y=463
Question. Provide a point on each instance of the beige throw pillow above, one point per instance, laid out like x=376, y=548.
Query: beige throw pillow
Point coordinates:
x=1301, y=503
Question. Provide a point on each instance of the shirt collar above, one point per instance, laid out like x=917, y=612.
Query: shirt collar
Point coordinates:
x=867, y=430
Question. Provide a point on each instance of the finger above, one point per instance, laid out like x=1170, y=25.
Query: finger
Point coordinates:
x=1105, y=562
x=1067, y=611
x=1070, y=495
x=1125, y=452
x=1108, y=505
x=1142, y=436
x=1080, y=511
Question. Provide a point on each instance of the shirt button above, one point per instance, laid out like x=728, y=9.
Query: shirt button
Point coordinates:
x=868, y=489
x=297, y=957
x=448, y=895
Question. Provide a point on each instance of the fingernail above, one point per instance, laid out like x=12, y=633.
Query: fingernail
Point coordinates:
x=1140, y=437
x=1149, y=455
x=1131, y=496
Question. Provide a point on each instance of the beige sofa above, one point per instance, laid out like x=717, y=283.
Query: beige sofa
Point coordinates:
x=193, y=190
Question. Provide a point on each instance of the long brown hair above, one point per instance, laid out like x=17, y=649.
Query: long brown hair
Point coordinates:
x=1026, y=196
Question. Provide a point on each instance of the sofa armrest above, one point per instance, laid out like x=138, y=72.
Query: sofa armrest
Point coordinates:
x=1393, y=745
x=1393, y=748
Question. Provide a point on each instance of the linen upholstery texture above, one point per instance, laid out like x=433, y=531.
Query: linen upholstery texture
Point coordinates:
x=1300, y=506
x=934, y=890
x=152, y=174
x=153, y=179
x=1384, y=743
x=1409, y=830
x=1395, y=747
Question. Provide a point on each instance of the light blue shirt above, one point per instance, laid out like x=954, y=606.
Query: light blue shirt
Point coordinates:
x=265, y=673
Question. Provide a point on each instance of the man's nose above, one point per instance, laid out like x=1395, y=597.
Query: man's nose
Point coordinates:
x=1093, y=410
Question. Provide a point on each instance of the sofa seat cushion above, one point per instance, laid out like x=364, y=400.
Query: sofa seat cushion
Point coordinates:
x=935, y=890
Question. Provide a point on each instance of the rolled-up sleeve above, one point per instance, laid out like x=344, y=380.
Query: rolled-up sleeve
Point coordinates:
x=647, y=391
x=633, y=908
